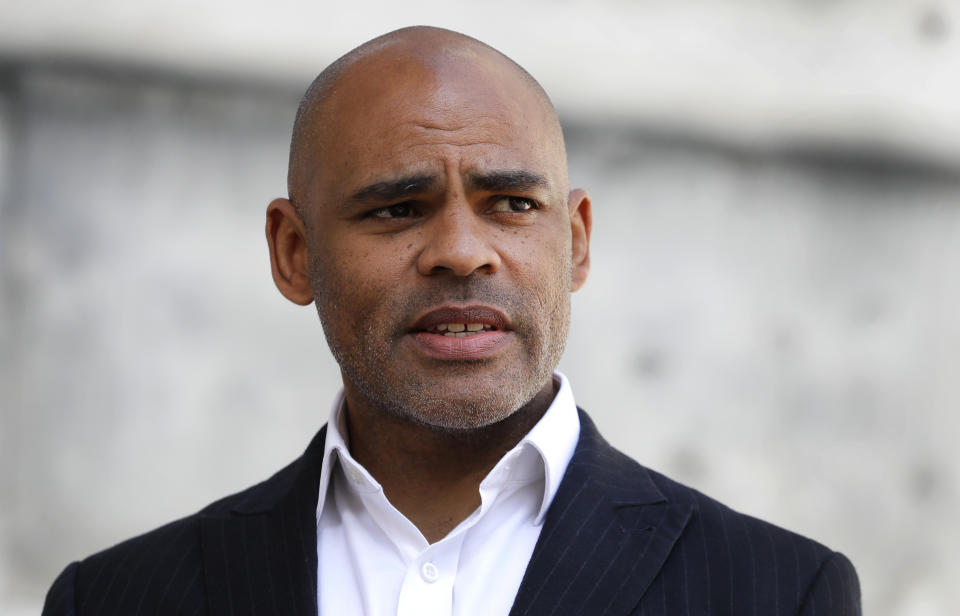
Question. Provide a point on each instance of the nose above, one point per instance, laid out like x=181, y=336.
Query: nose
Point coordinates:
x=457, y=241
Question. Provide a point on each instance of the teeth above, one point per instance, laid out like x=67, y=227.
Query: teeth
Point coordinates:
x=460, y=330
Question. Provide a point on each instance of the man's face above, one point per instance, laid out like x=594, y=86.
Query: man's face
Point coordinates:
x=439, y=239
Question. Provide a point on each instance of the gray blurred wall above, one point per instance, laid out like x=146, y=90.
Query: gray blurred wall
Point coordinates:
x=773, y=323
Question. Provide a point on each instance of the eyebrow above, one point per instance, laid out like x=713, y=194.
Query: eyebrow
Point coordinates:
x=506, y=181
x=392, y=190
x=516, y=180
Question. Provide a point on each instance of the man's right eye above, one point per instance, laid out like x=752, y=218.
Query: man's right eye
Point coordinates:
x=400, y=210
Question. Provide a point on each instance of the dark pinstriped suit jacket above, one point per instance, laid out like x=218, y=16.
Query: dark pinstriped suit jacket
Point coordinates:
x=618, y=539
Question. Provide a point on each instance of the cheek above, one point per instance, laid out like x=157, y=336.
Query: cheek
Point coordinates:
x=358, y=281
x=543, y=262
x=340, y=261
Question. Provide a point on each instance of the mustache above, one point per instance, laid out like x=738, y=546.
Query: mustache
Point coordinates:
x=513, y=302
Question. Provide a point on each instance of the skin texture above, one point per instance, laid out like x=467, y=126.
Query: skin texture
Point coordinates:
x=428, y=172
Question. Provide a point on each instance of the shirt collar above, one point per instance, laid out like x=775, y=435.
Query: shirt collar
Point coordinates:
x=553, y=438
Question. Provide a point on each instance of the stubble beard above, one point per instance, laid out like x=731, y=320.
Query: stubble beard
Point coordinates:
x=408, y=395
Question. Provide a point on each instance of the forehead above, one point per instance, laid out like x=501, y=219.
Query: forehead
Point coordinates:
x=398, y=114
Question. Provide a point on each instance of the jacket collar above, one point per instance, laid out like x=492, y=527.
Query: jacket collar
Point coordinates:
x=260, y=555
x=605, y=538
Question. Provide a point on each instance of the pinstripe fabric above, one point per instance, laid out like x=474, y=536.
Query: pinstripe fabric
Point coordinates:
x=250, y=553
x=621, y=539
x=618, y=539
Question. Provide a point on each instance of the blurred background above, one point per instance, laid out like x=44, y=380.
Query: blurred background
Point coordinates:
x=772, y=316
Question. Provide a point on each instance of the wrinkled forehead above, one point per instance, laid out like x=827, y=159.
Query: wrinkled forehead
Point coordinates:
x=398, y=109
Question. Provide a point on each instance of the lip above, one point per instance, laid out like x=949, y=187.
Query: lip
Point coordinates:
x=480, y=345
x=467, y=314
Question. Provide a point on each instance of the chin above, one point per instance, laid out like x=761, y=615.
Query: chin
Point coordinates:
x=458, y=415
x=461, y=399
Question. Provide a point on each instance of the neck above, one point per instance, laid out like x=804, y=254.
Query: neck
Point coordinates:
x=433, y=476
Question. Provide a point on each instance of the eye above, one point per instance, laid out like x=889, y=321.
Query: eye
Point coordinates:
x=399, y=210
x=514, y=204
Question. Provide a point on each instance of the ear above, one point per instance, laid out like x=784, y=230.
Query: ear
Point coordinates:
x=581, y=223
x=287, y=238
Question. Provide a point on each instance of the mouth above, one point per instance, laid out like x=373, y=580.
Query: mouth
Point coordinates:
x=459, y=330
x=453, y=333
x=455, y=322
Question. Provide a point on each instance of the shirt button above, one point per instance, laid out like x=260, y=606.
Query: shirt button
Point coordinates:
x=429, y=572
x=355, y=476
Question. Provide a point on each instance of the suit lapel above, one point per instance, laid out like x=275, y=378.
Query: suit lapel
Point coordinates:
x=606, y=535
x=261, y=556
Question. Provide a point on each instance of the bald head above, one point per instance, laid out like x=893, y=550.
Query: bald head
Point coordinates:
x=415, y=60
x=428, y=177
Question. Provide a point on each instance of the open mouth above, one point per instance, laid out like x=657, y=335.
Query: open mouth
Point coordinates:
x=462, y=333
x=461, y=322
x=459, y=330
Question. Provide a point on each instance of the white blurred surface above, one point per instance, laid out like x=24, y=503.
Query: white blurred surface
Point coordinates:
x=880, y=74
x=771, y=315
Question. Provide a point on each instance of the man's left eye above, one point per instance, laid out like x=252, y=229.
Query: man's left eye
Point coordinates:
x=513, y=204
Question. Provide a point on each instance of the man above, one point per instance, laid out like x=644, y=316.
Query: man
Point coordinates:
x=431, y=223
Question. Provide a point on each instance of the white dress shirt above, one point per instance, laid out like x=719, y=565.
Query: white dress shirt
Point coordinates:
x=372, y=560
